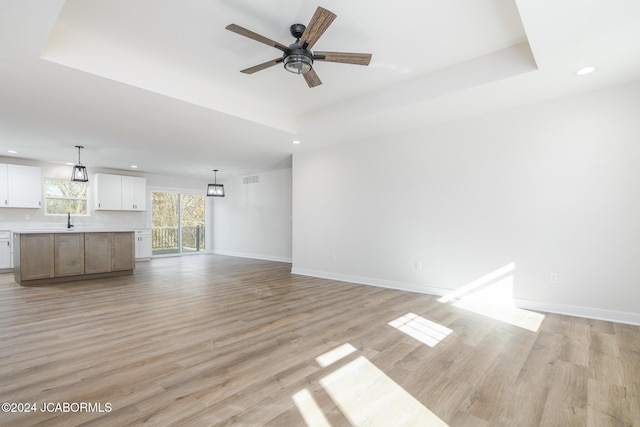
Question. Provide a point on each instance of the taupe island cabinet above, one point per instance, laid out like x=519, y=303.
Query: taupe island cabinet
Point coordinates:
x=50, y=257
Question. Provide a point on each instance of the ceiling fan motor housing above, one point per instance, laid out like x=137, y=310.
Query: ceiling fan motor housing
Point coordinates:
x=297, y=30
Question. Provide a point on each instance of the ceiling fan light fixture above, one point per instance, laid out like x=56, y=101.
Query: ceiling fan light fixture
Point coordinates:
x=299, y=61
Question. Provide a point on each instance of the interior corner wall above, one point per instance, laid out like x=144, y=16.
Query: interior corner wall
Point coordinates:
x=253, y=220
x=551, y=188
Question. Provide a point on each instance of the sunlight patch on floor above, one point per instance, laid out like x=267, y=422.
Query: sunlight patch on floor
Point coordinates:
x=334, y=355
x=365, y=395
x=496, y=301
x=368, y=397
x=492, y=296
x=424, y=330
x=309, y=409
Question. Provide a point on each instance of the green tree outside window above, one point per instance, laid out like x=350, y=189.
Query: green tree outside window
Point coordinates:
x=63, y=196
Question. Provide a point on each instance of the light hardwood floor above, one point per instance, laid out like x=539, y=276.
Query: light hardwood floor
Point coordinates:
x=214, y=340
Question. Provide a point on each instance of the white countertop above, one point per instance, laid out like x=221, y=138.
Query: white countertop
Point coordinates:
x=73, y=230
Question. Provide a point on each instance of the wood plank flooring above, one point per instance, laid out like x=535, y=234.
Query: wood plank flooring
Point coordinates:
x=212, y=340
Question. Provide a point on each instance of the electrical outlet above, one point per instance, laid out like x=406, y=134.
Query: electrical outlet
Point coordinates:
x=418, y=265
x=333, y=257
x=27, y=217
x=553, y=277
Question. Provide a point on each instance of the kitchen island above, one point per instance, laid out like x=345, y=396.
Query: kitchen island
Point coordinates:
x=63, y=256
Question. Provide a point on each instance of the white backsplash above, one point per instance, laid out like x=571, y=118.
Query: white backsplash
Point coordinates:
x=34, y=219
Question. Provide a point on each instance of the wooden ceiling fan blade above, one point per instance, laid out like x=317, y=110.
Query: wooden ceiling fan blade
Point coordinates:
x=319, y=23
x=257, y=37
x=312, y=78
x=262, y=66
x=343, y=57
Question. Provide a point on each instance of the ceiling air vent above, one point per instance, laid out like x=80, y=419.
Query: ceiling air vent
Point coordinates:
x=251, y=179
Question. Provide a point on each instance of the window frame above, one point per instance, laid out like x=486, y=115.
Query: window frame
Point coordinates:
x=47, y=197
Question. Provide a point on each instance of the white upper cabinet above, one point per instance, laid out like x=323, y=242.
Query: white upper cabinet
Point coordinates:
x=4, y=185
x=134, y=193
x=108, y=192
x=20, y=186
x=120, y=193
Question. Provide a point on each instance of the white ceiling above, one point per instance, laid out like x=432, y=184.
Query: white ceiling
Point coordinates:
x=156, y=83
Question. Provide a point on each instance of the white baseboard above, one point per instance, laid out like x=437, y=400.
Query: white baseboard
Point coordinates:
x=371, y=281
x=579, y=311
x=253, y=256
x=566, y=309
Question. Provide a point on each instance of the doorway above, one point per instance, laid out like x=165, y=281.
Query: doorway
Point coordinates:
x=177, y=223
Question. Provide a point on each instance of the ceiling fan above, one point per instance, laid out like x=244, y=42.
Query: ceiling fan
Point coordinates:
x=298, y=57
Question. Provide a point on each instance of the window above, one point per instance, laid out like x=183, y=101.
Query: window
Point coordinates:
x=63, y=196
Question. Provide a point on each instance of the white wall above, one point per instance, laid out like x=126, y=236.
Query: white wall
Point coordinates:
x=254, y=220
x=552, y=187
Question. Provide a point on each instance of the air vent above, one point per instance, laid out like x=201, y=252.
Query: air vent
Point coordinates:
x=251, y=179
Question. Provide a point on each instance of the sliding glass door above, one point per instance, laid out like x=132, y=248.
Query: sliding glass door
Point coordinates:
x=178, y=223
x=192, y=223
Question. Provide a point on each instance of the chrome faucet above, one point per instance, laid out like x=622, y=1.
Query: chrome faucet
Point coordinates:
x=69, y=225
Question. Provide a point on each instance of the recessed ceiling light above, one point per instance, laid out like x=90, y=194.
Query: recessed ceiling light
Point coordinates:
x=134, y=166
x=585, y=70
x=295, y=142
x=70, y=164
x=12, y=151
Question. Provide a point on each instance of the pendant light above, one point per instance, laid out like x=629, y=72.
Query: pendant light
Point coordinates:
x=215, y=189
x=79, y=171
